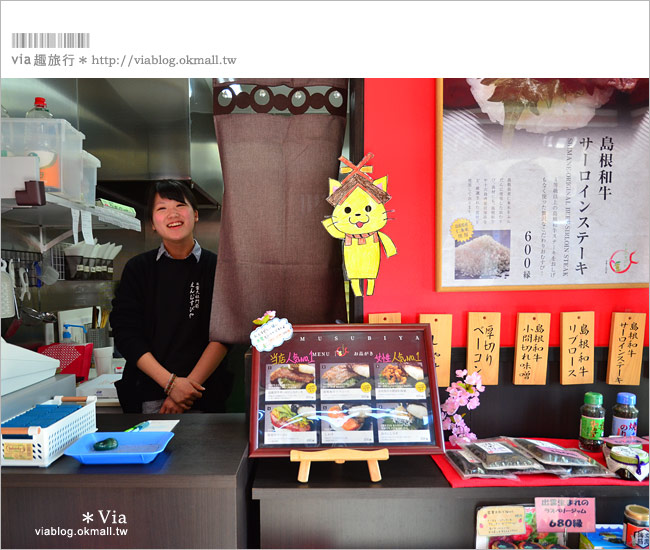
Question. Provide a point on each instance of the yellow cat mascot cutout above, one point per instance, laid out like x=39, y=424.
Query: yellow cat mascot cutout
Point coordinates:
x=359, y=214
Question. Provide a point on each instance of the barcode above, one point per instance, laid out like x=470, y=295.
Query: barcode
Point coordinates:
x=50, y=40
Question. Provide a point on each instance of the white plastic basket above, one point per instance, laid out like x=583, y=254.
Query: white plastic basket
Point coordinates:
x=42, y=446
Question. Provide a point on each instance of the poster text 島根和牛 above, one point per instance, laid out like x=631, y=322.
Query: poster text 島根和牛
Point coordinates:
x=543, y=182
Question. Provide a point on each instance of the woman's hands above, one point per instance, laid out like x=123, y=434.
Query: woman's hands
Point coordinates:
x=170, y=406
x=184, y=393
x=182, y=396
x=185, y=390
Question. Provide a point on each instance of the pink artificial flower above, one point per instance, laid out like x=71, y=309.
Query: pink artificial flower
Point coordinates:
x=460, y=429
x=458, y=390
x=473, y=403
x=463, y=393
x=450, y=406
x=455, y=388
x=268, y=315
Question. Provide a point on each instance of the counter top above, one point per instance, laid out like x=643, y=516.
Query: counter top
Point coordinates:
x=205, y=448
x=193, y=495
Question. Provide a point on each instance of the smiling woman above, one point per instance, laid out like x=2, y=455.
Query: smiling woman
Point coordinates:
x=173, y=219
x=161, y=315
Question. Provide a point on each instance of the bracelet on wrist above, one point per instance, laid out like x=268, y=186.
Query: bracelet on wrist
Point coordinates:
x=170, y=384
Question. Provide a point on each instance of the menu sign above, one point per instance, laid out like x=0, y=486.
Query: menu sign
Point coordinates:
x=542, y=183
x=358, y=386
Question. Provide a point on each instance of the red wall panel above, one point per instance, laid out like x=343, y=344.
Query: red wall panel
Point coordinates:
x=400, y=131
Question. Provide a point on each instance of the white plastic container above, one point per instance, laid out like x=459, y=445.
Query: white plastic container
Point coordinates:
x=89, y=181
x=61, y=165
x=36, y=446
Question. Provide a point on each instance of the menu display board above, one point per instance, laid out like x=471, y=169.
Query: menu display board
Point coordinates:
x=357, y=386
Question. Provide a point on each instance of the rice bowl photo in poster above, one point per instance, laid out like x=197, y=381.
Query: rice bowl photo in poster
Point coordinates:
x=485, y=256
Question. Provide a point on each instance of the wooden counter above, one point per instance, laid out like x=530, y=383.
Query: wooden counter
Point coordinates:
x=193, y=495
x=412, y=507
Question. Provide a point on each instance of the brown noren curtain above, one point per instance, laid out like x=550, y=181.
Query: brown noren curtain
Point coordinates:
x=274, y=253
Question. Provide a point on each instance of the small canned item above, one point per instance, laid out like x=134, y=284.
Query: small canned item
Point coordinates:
x=635, y=526
x=628, y=463
x=625, y=417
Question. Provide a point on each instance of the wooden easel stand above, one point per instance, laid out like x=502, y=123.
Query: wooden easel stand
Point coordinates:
x=339, y=456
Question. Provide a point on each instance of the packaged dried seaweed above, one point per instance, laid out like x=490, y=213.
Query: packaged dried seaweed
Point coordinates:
x=549, y=453
x=468, y=466
x=595, y=469
x=499, y=454
x=546, y=469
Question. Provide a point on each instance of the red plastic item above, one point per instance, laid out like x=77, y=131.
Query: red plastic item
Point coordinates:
x=74, y=359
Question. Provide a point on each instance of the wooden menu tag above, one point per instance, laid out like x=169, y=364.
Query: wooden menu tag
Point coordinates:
x=375, y=318
x=531, y=351
x=483, y=345
x=626, y=349
x=577, y=347
x=441, y=335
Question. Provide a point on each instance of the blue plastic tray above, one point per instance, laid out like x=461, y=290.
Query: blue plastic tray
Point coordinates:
x=132, y=447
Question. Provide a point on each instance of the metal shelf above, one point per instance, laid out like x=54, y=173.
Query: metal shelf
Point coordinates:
x=57, y=214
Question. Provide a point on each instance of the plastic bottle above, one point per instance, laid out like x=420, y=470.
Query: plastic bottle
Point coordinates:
x=39, y=110
x=67, y=335
x=626, y=414
x=40, y=141
x=592, y=422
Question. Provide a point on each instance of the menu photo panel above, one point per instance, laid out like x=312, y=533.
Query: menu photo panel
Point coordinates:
x=354, y=386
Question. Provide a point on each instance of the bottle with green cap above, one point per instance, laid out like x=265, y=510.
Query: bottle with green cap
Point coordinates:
x=626, y=414
x=592, y=422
